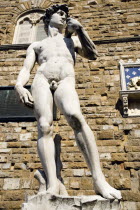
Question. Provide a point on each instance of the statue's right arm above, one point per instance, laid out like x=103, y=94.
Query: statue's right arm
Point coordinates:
x=24, y=76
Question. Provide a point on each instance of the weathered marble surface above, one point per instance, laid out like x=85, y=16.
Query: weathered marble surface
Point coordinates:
x=44, y=201
x=55, y=82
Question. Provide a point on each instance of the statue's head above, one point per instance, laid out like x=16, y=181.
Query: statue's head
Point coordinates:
x=56, y=16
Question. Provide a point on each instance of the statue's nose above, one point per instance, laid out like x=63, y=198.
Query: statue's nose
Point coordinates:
x=63, y=17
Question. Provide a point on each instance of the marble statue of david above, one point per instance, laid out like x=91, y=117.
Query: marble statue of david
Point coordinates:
x=56, y=58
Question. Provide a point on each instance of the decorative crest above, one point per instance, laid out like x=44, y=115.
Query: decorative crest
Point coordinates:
x=35, y=17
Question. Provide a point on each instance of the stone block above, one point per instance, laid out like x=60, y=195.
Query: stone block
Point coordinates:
x=3, y=159
x=134, y=156
x=17, y=129
x=108, y=127
x=136, y=133
x=131, y=196
x=105, y=156
x=134, y=165
x=86, y=183
x=25, y=136
x=43, y=201
x=119, y=157
x=19, y=151
x=135, y=148
x=78, y=172
x=67, y=157
x=129, y=205
x=13, y=144
x=4, y=174
x=3, y=145
x=106, y=134
x=135, y=184
x=14, y=195
x=9, y=204
x=67, y=173
x=88, y=173
x=74, y=184
x=12, y=137
x=6, y=166
x=20, y=166
x=119, y=135
x=34, y=165
x=92, y=2
x=1, y=183
x=127, y=127
x=122, y=183
x=11, y=184
x=108, y=149
x=25, y=183
x=133, y=173
x=5, y=150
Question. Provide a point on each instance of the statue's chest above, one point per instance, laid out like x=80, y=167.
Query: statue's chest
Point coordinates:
x=56, y=45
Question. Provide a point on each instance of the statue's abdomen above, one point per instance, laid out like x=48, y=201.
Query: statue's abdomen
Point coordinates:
x=57, y=68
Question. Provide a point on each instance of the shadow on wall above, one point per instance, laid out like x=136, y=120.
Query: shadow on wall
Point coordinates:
x=119, y=106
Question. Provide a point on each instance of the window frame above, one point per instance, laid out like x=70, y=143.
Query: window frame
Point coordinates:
x=34, y=18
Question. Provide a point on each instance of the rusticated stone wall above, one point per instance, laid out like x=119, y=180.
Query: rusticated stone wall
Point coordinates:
x=98, y=85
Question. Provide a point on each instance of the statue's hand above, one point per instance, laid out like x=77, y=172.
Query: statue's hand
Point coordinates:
x=25, y=96
x=73, y=25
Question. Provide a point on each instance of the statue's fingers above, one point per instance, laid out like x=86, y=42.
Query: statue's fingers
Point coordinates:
x=30, y=97
x=27, y=102
x=30, y=104
x=25, y=98
x=21, y=98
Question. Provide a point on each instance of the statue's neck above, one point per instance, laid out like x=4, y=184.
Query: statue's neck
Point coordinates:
x=52, y=31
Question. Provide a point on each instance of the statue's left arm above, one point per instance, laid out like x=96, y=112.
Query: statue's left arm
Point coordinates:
x=82, y=42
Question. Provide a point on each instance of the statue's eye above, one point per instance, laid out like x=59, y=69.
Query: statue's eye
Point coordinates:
x=61, y=13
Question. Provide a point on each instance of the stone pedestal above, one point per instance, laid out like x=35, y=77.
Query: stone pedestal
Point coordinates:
x=44, y=201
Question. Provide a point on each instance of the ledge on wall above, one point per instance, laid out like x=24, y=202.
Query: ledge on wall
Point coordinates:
x=98, y=42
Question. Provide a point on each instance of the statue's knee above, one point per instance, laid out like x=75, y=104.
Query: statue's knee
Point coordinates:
x=45, y=127
x=75, y=121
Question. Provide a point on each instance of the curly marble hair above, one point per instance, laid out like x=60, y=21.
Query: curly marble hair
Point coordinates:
x=53, y=9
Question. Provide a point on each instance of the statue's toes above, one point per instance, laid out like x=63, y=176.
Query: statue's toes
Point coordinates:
x=63, y=190
x=108, y=195
x=112, y=193
x=116, y=194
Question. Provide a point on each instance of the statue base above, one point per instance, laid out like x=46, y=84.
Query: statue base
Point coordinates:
x=45, y=201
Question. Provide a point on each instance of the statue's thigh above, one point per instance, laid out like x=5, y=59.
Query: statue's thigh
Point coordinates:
x=43, y=100
x=66, y=98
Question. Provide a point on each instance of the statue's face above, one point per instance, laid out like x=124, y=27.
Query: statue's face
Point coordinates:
x=58, y=19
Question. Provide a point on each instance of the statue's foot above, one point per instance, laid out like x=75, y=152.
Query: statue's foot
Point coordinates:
x=57, y=189
x=53, y=190
x=104, y=189
x=62, y=188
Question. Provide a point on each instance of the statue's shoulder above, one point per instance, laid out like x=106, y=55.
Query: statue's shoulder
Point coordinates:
x=33, y=46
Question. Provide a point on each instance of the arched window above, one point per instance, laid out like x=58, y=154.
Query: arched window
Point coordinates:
x=29, y=28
